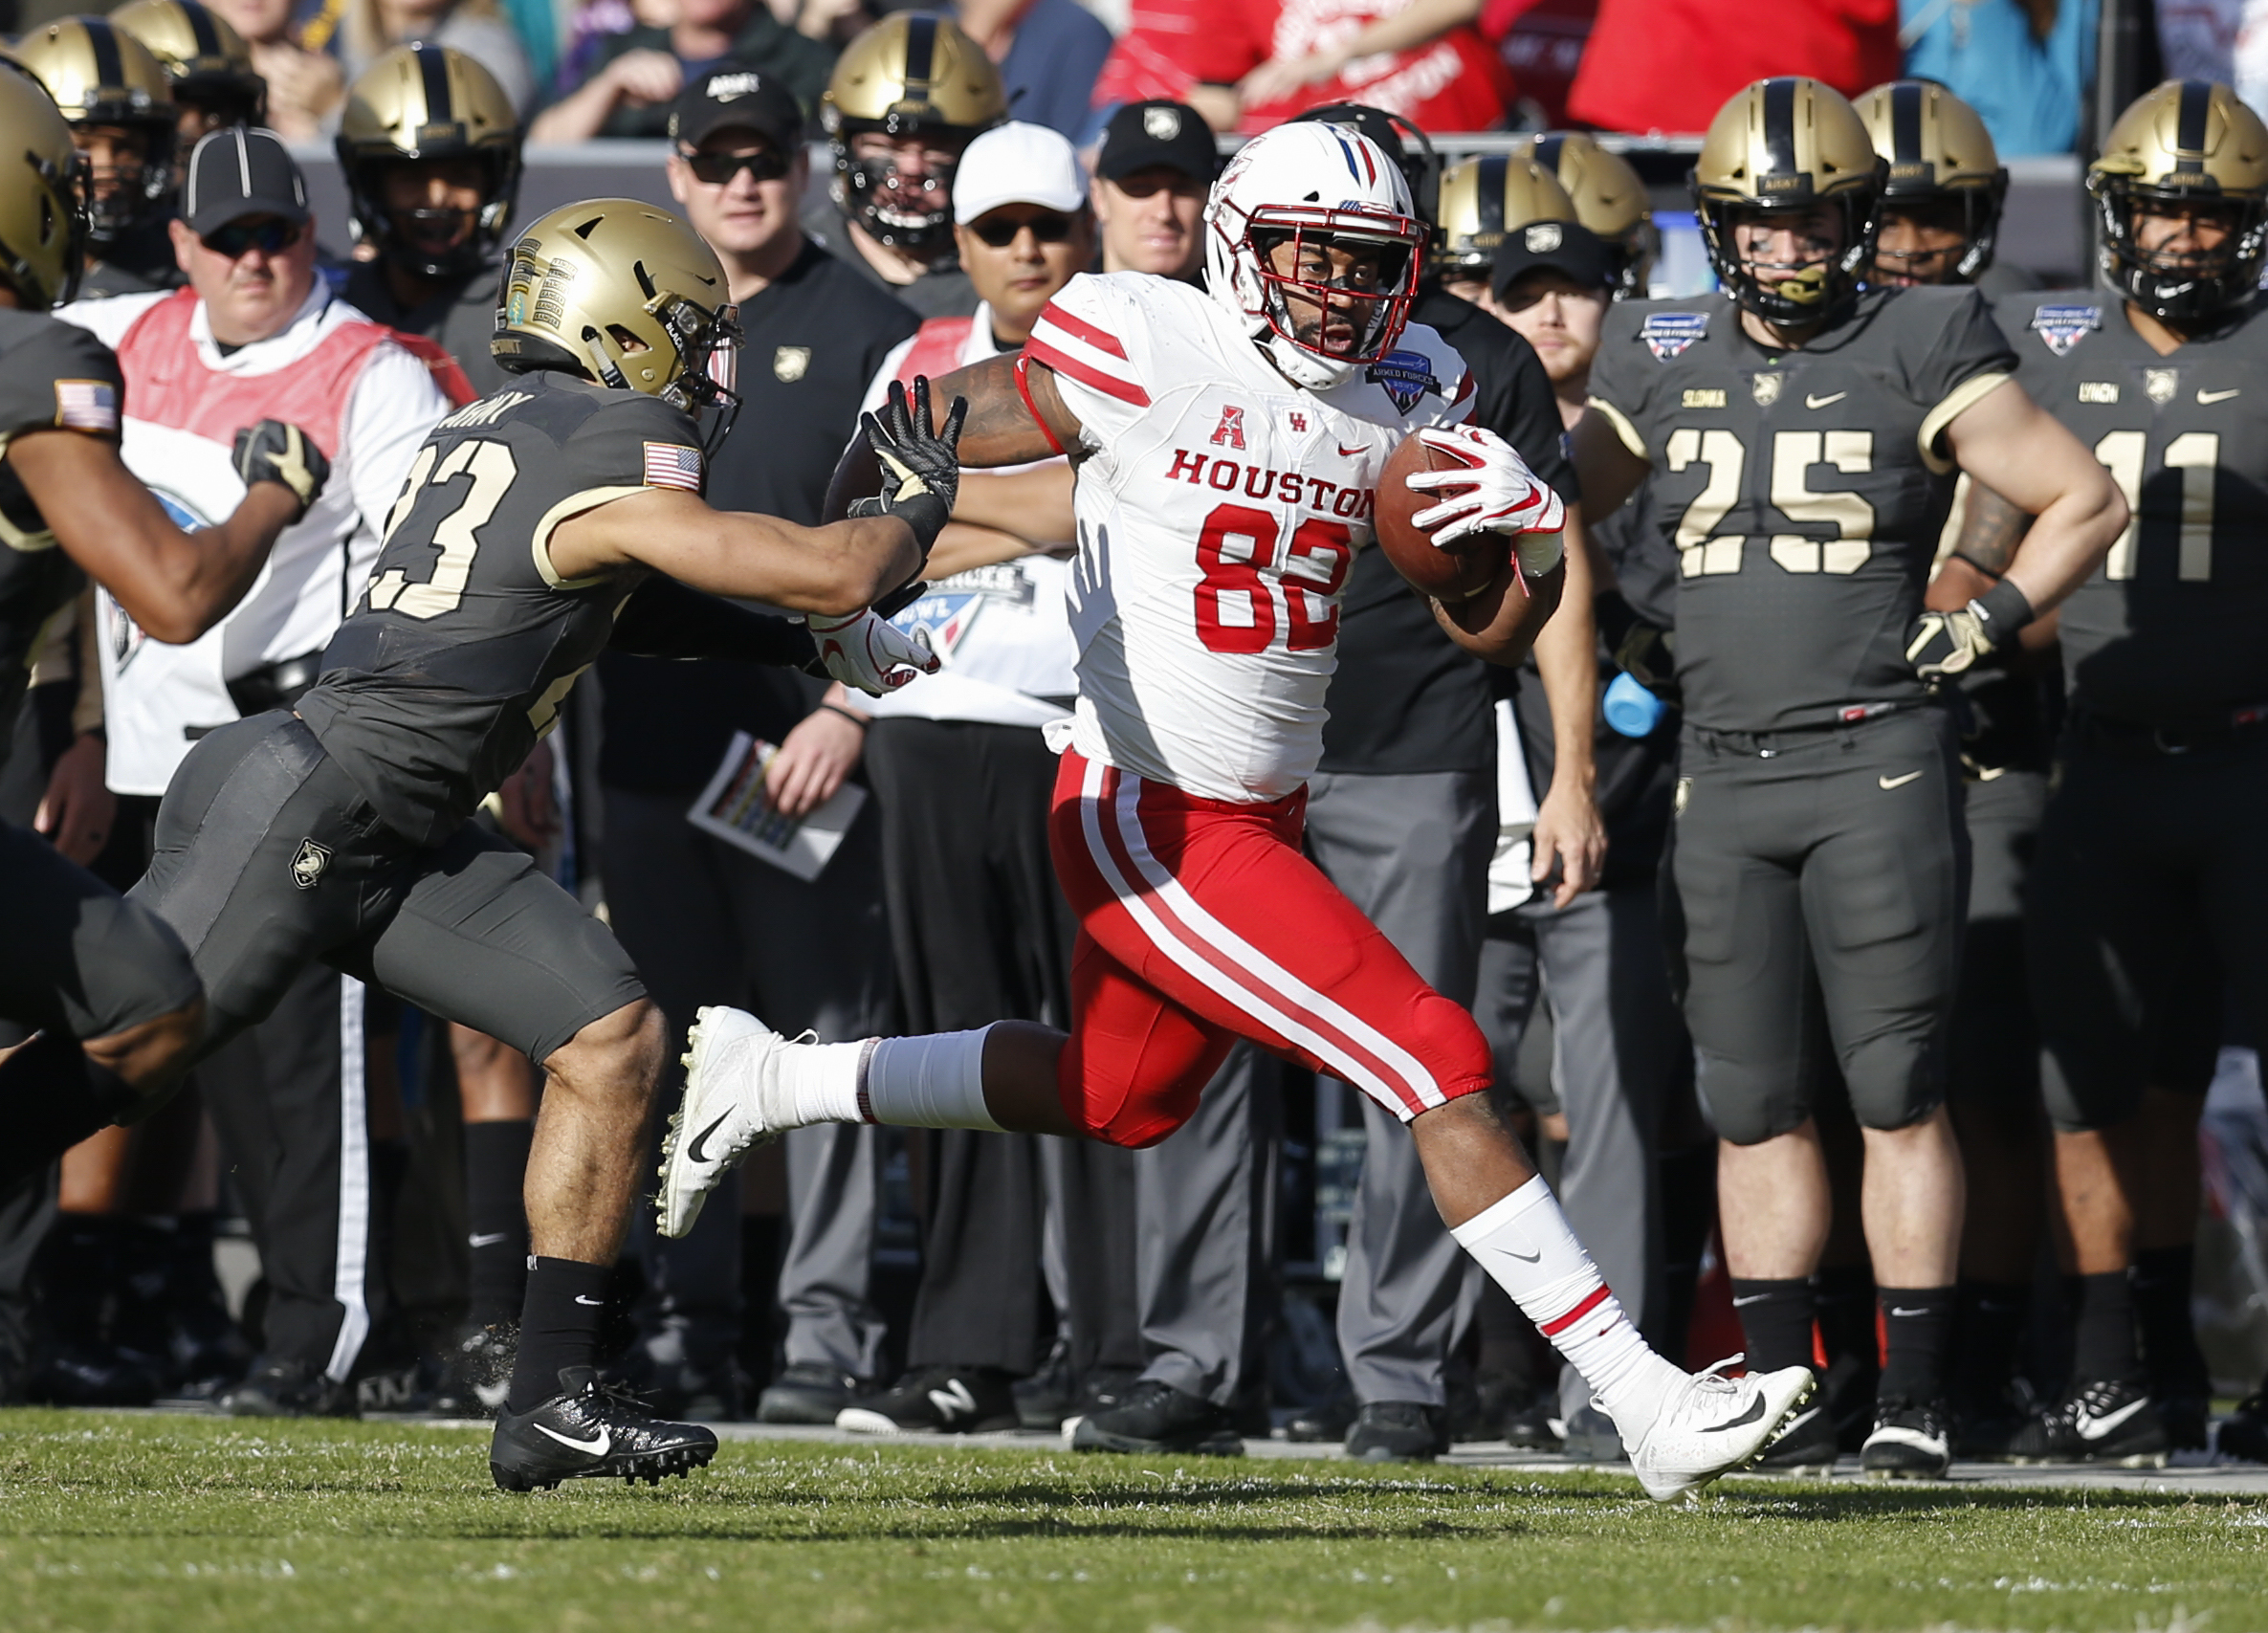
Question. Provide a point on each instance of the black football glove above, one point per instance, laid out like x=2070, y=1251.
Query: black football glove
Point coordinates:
x=274, y=451
x=920, y=468
x=1946, y=644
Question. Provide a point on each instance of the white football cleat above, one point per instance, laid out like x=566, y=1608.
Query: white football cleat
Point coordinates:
x=1715, y=1423
x=733, y=1103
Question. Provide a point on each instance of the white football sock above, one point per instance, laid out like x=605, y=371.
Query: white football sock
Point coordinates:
x=935, y=1081
x=1524, y=1243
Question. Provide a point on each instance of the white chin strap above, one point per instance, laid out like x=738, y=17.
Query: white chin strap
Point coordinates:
x=1304, y=367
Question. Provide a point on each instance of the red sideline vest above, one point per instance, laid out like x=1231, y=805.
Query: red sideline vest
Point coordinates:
x=172, y=385
x=937, y=348
x=443, y=368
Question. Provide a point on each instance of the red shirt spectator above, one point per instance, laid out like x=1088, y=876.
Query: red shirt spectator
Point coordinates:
x=1670, y=64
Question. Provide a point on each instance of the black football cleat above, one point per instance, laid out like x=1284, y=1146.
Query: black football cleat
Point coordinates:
x=590, y=1431
x=2244, y=1432
x=1155, y=1417
x=1912, y=1440
x=2102, y=1422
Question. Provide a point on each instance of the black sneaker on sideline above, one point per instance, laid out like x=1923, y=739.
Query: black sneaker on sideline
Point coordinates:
x=1156, y=1417
x=808, y=1392
x=2244, y=1432
x=2185, y=1417
x=1398, y=1431
x=1318, y=1426
x=936, y=1400
x=1527, y=1423
x=590, y=1430
x=2103, y=1422
x=1592, y=1437
x=92, y=1374
x=289, y=1389
x=1912, y=1440
x=1807, y=1446
x=1049, y=1394
x=476, y=1372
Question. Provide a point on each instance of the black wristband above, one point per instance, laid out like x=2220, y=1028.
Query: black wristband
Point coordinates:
x=926, y=515
x=859, y=721
x=2004, y=609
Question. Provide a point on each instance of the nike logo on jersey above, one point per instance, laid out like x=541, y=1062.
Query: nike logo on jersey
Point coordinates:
x=1350, y=452
x=1756, y=1411
x=598, y=1446
x=1896, y=782
x=954, y=1401
x=491, y=1240
x=2091, y=1427
x=2209, y=398
x=694, y=1151
x=593, y=1303
x=1810, y=402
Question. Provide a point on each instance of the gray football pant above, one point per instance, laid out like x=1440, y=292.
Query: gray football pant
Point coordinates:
x=1412, y=851
x=1617, y=1045
x=1205, y=1238
x=709, y=923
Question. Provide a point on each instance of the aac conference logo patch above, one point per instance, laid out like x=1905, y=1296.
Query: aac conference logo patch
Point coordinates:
x=1667, y=334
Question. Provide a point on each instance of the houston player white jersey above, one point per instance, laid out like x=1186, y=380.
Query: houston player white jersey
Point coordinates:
x=1219, y=506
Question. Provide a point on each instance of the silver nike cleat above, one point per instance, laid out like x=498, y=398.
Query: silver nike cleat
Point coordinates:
x=1713, y=1426
x=733, y=1103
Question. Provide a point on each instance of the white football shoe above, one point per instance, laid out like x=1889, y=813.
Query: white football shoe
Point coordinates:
x=734, y=1102
x=1715, y=1423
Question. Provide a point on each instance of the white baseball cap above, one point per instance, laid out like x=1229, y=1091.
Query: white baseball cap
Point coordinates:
x=1016, y=163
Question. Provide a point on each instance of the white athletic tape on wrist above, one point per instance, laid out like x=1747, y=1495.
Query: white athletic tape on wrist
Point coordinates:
x=1538, y=553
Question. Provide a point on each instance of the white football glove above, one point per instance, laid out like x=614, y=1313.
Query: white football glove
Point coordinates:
x=1502, y=495
x=872, y=654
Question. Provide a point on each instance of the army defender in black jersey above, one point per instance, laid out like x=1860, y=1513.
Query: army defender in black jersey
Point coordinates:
x=104, y=982
x=2149, y=894
x=537, y=527
x=1801, y=442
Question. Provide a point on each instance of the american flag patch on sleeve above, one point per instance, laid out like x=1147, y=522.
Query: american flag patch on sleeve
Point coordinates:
x=86, y=404
x=670, y=465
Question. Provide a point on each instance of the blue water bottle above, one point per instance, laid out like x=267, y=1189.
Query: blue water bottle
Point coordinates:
x=1630, y=708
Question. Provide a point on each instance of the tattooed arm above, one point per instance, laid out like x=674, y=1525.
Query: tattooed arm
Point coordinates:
x=1990, y=530
x=1000, y=430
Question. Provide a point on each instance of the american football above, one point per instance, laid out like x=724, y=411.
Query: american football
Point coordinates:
x=1451, y=572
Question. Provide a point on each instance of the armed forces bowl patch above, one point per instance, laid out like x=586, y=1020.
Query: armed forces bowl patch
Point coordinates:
x=2063, y=327
x=1667, y=334
x=1406, y=376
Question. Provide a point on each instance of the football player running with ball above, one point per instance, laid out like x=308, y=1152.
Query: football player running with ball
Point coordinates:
x=1227, y=443
x=537, y=527
x=1802, y=441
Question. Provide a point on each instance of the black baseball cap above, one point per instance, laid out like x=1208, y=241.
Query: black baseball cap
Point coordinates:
x=237, y=173
x=1565, y=247
x=1143, y=136
x=734, y=96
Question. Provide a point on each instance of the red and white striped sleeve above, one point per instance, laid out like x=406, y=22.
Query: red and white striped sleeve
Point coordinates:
x=1088, y=337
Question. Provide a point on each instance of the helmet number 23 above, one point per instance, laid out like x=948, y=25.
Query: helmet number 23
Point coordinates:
x=1701, y=551
x=1236, y=599
x=456, y=533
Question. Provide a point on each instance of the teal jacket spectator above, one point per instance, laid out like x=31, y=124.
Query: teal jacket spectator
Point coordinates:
x=635, y=75
x=2027, y=89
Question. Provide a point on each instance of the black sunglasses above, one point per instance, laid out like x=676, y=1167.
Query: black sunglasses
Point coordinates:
x=273, y=237
x=1048, y=228
x=765, y=165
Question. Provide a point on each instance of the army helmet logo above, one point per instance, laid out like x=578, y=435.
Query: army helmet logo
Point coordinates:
x=1161, y=125
x=1543, y=237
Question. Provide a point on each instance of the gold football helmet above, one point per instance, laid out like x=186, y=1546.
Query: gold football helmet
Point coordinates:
x=624, y=291
x=1940, y=157
x=913, y=74
x=103, y=78
x=214, y=83
x=43, y=229
x=2187, y=147
x=1783, y=146
x=1610, y=199
x=1484, y=198
x=423, y=103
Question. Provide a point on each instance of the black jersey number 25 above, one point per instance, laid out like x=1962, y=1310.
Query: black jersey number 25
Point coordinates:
x=455, y=532
x=1703, y=550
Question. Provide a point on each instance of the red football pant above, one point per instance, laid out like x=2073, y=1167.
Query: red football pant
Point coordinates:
x=1200, y=921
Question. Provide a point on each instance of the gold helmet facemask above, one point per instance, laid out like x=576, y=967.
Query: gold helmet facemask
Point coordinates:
x=624, y=293
x=1610, y=199
x=42, y=219
x=2187, y=146
x=426, y=103
x=1782, y=147
x=1941, y=161
x=1483, y=199
x=207, y=60
x=911, y=74
x=100, y=76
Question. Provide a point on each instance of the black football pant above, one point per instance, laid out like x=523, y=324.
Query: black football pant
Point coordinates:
x=1820, y=878
x=982, y=933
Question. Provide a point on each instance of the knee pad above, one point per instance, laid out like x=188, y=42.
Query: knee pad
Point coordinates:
x=1128, y=1114
x=1453, y=1047
x=1895, y=1082
x=1745, y=1110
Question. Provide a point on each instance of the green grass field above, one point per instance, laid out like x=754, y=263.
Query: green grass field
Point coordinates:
x=178, y=1524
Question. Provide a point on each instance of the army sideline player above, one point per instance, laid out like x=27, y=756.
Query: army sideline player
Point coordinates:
x=103, y=981
x=537, y=527
x=2149, y=888
x=1802, y=444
